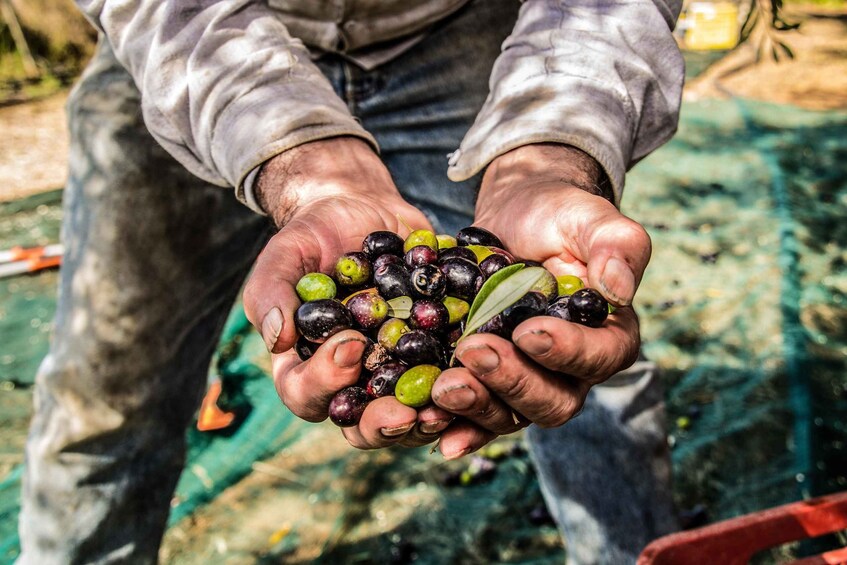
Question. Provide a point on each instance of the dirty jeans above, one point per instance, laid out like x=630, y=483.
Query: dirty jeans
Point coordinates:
x=154, y=260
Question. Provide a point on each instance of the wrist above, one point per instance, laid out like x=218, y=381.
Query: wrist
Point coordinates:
x=339, y=166
x=544, y=164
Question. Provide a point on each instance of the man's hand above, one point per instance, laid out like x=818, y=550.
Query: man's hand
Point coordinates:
x=545, y=204
x=327, y=196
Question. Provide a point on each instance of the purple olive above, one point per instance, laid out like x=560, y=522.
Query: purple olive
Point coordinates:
x=473, y=235
x=588, y=307
x=393, y=281
x=429, y=315
x=493, y=263
x=464, y=279
x=368, y=309
x=419, y=256
x=418, y=347
x=319, y=320
x=346, y=407
x=428, y=282
x=384, y=379
x=382, y=242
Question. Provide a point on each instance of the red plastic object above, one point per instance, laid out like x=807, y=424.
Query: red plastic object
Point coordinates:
x=211, y=417
x=735, y=541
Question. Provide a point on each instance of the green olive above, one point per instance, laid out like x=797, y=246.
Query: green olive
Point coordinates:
x=445, y=241
x=353, y=269
x=480, y=251
x=315, y=286
x=420, y=237
x=568, y=284
x=390, y=332
x=457, y=309
x=547, y=285
x=414, y=388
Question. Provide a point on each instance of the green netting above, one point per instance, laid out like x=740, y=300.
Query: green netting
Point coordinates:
x=743, y=307
x=27, y=303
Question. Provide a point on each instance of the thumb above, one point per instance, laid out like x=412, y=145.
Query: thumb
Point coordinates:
x=311, y=242
x=270, y=298
x=617, y=251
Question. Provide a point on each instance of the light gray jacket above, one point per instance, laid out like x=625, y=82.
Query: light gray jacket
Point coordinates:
x=226, y=85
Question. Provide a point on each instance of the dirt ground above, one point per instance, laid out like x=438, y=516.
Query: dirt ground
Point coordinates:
x=33, y=147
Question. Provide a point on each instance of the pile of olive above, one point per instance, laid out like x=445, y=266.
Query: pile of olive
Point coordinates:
x=411, y=299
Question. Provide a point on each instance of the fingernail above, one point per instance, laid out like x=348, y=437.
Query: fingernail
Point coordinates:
x=271, y=327
x=458, y=454
x=434, y=427
x=535, y=343
x=348, y=353
x=618, y=281
x=456, y=398
x=398, y=431
x=480, y=359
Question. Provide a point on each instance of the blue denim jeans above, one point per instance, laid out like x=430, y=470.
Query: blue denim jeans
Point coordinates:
x=154, y=261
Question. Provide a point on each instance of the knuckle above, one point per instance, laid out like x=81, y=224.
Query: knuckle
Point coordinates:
x=309, y=409
x=634, y=231
x=304, y=411
x=517, y=386
x=626, y=353
x=560, y=413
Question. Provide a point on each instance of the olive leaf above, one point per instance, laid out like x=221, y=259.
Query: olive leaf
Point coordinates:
x=400, y=307
x=503, y=294
x=491, y=284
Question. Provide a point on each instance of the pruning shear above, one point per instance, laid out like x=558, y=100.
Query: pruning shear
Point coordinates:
x=20, y=260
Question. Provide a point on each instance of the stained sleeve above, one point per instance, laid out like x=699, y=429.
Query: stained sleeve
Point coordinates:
x=224, y=86
x=605, y=77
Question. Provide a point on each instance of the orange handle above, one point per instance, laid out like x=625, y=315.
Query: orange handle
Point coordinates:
x=211, y=416
x=38, y=264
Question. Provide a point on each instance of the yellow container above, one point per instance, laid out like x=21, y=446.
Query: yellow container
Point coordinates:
x=710, y=26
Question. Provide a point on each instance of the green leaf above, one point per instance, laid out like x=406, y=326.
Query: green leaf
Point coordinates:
x=492, y=282
x=503, y=295
x=400, y=307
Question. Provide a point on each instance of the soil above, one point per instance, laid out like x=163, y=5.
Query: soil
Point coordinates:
x=33, y=147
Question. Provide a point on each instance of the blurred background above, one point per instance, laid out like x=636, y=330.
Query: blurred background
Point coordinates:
x=743, y=307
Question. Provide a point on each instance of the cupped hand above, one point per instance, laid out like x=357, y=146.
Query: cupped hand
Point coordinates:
x=328, y=196
x=543, y=203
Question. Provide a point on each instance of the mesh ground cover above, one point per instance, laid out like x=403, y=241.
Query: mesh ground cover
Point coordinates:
x=743, y=306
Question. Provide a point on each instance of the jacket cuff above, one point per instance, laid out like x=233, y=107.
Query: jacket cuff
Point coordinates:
x=275, y=118
x=245, y=187
x=549, y=109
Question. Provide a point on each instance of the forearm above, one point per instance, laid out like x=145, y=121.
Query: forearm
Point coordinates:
x=340, y=166
x=544, y=164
